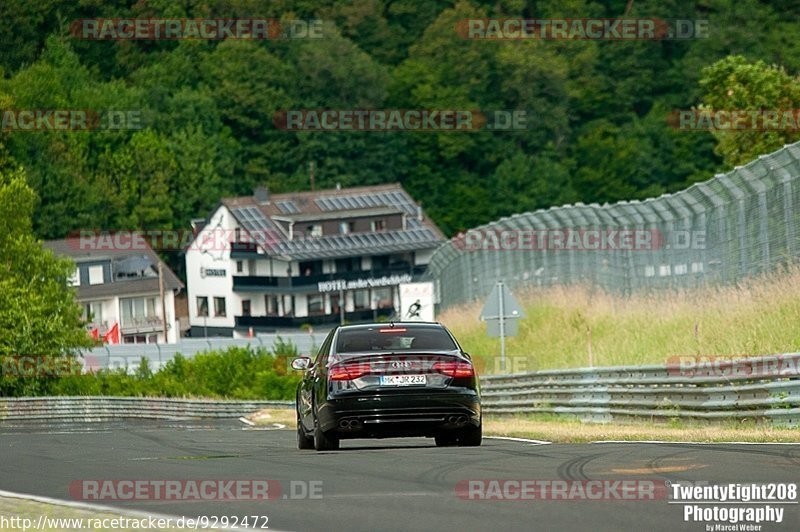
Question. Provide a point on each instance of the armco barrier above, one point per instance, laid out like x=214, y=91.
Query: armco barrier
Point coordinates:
x=622, y=393
x=83, y=409
x=657, y=392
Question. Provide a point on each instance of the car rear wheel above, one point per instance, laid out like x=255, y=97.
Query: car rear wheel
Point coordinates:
x=303, y=441
x=470, y=436
x=324, y=441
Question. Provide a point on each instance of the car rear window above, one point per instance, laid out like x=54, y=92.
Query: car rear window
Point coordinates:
x=397, y=338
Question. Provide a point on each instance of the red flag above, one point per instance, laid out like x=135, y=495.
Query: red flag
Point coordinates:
x=112, y=336
x=95, y=333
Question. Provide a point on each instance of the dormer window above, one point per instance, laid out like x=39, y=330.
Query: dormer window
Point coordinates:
x=345, y=228
x=378, y=225
x=314, y=231
x=96, y=274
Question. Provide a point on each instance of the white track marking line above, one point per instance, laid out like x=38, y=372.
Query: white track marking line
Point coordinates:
x=697, y=442
x=247, y=421
x=523, y=440
x=275, y=426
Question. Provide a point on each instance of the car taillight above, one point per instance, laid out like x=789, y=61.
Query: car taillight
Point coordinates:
x=348, y=372
x=455, y=369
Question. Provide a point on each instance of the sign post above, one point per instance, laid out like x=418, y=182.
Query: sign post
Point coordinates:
x=500, y=313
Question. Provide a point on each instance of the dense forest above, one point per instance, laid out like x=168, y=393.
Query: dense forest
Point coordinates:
x=599, y=108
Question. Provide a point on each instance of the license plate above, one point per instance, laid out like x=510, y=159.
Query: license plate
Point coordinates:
x=403, y=380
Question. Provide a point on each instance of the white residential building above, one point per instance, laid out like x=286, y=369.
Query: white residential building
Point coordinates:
x=122, y=287
x=265, y=262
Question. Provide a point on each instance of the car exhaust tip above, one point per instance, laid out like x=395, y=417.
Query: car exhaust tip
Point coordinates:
x=349, y=424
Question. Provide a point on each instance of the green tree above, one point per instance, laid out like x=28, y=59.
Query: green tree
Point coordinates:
x=736, y=84
x=38, y=312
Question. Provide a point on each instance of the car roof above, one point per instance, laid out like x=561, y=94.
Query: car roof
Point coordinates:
x=389, y=324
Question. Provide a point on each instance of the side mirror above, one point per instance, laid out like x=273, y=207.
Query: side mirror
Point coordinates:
x=301, y=364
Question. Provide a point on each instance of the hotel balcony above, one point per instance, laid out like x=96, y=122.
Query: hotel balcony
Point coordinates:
x=267, y=323
x=256, y=283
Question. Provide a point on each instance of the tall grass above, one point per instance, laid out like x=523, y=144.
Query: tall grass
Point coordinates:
x=569, y=326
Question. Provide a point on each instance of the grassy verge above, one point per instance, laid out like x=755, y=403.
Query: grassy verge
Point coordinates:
x=558, y=430
x=274, y=416
x=569, y=326
x=573, y=431
x=22, y=513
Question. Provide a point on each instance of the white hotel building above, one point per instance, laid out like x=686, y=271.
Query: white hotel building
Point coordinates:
x=271, y=262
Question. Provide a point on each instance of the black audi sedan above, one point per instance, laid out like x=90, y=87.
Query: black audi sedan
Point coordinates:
x=387, y=380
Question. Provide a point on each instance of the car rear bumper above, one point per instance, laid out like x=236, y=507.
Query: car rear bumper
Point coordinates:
x=382, y=415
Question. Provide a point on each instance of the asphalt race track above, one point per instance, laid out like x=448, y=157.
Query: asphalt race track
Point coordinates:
x=383, y=484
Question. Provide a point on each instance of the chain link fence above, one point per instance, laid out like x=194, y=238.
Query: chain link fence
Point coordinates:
x=739, y=224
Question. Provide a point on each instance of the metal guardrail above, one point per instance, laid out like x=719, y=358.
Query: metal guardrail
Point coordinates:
x=763, y=389
x=83, y=409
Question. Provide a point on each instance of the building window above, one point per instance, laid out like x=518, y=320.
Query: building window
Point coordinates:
x=246, y=307
x=271, y=303
x=360, y=299
x=75, y=278
x=315, y=304
x=151, y=307
x=378, y=225
x=350, y=264
x=314, y=230
x=335, y=309
x=96, y=274
x=219, y=307
x=202, y=306
x=382, y=297
x=288, y=305
x=312, y=267
x=346, y=228
x=239, y=266
x=139, y=311
x=380, y=262
x=93, y=312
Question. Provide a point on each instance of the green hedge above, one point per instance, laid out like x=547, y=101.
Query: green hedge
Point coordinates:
x=235, y=373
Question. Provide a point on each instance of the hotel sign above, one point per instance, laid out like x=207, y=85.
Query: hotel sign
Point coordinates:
x=343, y=284
x=212, y=272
